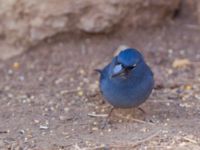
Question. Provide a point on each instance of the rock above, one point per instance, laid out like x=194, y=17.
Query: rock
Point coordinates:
x=119, y=49
x=26, y=23
x=196, y=5
x=181, y=63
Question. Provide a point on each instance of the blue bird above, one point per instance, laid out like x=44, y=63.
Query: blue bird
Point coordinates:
x=127, y=81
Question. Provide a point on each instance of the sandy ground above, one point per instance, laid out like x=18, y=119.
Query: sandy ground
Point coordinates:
x=49, y=95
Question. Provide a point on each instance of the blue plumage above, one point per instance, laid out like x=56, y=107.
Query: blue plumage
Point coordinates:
x=127, y=81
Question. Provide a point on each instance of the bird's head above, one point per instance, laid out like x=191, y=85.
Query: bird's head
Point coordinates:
x=126, y=62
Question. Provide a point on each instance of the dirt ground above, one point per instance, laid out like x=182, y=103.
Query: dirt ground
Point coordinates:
x=49, y=97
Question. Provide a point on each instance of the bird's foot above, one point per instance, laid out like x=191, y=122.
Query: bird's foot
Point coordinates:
x=107, y=120
x=142, y=110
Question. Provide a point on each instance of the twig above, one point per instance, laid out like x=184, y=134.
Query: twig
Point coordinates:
x=136, y=143
x=133, y=119
x=69, y=91
x=140, y=121
x=193, y=26
x=123, y=145
x=96, y=148
x=97, y=115
x=76, y=147
x=190, y=140
x=162, y=101
x=3, y=132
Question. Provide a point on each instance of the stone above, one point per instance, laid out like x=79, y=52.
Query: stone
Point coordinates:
x=25, y=23
x=196, y=4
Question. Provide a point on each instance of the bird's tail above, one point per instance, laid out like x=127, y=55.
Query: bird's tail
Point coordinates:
x=98, y=70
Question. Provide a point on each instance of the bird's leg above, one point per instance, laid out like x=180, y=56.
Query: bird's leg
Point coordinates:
x=139, y=108
x=107, y=118
x=143, y=112
x=111, y=110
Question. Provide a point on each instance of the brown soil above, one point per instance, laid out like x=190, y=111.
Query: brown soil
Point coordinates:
x=47, y=93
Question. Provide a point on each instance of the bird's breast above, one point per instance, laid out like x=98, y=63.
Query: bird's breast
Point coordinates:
x=127, y=92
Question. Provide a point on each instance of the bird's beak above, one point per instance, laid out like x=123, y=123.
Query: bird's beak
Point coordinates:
x=118, y=71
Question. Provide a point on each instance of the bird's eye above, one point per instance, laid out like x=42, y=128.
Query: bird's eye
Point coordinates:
x=131, y=67
x=117, y=63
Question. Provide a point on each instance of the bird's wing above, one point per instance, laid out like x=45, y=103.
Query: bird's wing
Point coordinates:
x=104, y=73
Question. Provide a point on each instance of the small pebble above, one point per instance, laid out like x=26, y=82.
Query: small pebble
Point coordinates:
x=95, y=129
x=25, y=139
x=40, y=78
x=62, y=118
x=44, y=127
x=183, y=144
x=21, y=78
x=82, y=72
x=36, y=121
x=80, y=93
x=58, y=81
x=66, y=109
x=71, y=79
x=180, y=63
x=16, y=65
x=120, y=121
x=65, y=133
x=188, y=87
x=10, y=72
x=95, y=123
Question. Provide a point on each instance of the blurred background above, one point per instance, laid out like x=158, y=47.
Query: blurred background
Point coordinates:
x=27, y=23
x=49, y=96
